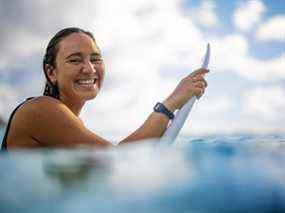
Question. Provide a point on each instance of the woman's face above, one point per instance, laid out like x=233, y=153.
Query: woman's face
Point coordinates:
x=79, y=70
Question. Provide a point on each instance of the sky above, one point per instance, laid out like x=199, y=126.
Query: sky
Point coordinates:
x=148, y=47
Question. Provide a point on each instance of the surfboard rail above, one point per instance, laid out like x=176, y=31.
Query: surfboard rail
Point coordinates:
x=180, y=116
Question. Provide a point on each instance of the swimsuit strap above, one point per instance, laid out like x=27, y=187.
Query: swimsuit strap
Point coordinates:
x=4, y=142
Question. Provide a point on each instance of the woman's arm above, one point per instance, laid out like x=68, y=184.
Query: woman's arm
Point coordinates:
x=51, y=123
x=153, y=127
x=156, y=124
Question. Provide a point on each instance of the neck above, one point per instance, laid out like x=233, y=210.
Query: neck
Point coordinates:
x=74, y=106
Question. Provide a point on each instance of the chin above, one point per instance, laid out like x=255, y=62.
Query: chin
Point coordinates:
x=86, y=96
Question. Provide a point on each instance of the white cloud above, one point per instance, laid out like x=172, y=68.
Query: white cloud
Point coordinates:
x=266, y=103
x=272, y=30
x=248, y=14
x=8, y=98
x=231, y=53
x=28, y=32
x=228, y=51
x=206, y=14
x=208, y=116
x=262, y=110
x=20, y=45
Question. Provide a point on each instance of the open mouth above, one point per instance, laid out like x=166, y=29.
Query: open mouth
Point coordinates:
x=87, y=82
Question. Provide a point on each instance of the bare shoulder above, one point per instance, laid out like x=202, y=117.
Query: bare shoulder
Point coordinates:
x=42, y=103
x=39, y=117
x=42, y=111
x=43, y=107
x=51, y=122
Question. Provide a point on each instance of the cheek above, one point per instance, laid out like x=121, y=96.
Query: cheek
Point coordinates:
x=64, y=79
x=101, y=71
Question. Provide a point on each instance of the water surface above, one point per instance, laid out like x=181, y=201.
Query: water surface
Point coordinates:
x=241, y=173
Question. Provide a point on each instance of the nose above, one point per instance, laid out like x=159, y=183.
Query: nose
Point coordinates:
x=88, y=67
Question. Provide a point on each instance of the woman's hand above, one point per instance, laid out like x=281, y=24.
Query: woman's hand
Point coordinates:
x=156, y=124
x=190, y=86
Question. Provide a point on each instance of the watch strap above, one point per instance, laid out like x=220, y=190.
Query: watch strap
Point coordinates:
x=160, y=108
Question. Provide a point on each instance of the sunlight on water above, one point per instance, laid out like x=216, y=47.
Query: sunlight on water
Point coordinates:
x=210, y=174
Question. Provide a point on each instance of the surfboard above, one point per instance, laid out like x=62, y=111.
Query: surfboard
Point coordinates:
x=176, y=125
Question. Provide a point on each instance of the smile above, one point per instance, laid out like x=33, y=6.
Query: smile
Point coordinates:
x=87, y=82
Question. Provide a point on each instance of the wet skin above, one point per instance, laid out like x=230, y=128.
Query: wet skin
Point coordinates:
x=78, y=61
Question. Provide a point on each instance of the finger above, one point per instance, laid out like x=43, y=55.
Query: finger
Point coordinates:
x=200, y=93
x=195, y=78
x=198, y=97
x=198, y=79
x=201, y=83
x=200, y=71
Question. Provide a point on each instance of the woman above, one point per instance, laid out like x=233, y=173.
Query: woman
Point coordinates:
x=74, y=71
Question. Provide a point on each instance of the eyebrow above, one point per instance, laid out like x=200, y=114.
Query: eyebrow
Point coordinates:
x=80, y=55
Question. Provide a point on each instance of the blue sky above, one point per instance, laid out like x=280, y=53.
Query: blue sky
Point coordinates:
x=225, y=11
x=148, y=47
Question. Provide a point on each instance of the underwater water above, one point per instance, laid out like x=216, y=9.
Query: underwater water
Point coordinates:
x=241, y=173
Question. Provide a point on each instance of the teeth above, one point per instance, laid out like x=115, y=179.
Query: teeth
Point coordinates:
x=91, y=81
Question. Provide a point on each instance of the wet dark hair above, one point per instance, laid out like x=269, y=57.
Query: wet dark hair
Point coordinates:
x=50, y=57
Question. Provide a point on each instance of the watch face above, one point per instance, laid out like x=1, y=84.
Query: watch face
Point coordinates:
x=156, y=107
x=159, y=107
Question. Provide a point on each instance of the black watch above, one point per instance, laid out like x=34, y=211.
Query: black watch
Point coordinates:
x=160, y=108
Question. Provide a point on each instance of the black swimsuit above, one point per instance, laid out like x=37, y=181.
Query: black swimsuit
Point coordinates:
x=4, y=142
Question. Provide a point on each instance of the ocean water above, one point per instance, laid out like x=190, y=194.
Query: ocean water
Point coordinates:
x=1, y=134
x=240, y=173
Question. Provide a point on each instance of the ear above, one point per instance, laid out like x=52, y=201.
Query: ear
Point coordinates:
x=51, y=73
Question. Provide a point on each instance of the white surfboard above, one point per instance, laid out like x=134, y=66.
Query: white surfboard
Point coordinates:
x=174, y=128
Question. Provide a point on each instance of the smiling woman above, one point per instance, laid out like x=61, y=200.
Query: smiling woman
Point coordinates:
x=74, y=70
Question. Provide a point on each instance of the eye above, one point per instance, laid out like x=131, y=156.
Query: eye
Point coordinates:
x=96, y=60
x=75, y=60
